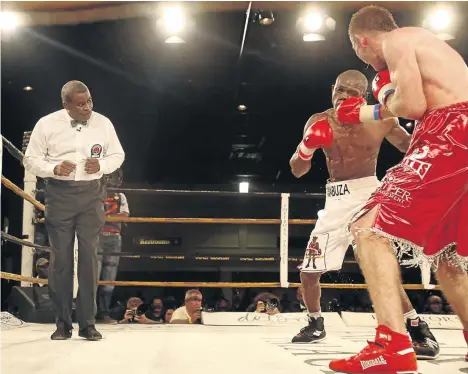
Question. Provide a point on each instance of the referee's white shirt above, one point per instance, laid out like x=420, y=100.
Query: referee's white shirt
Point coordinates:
x=54, y=140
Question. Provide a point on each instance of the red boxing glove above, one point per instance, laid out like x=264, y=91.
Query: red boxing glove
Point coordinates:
x=382, y=86
x=318, y=135
x=354, y=111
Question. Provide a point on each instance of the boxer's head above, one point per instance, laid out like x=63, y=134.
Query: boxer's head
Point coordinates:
x=367, y=29
x=77, y=100
x=351, y=83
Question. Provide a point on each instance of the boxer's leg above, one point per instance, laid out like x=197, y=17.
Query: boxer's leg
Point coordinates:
x=314, y=332
x=454, y=283
x=311, y=291
x=408, y=309
x=381, y=270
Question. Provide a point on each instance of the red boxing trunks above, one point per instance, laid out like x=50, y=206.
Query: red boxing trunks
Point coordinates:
x=422, y=204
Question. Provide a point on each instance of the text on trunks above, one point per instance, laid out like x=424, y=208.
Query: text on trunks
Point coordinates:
x=337, y=190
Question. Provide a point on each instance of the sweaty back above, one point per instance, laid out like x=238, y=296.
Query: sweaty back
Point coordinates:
x=443, y=70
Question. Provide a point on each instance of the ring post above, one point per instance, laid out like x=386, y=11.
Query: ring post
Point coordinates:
x=284, y=235
x=27, y=253
x=426, y=276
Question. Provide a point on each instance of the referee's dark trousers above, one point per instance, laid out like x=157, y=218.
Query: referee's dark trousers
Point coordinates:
x=74, y=206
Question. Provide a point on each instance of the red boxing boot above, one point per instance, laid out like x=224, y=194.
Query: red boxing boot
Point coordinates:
x=465, y=334
x=391, y=353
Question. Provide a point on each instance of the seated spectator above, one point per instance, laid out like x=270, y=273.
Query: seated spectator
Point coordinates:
x=191, y=311
x=435, y=305
x=265, y=302
x=168, y=315
x=42, y=270
x=223, y=305
x=156, y=311
x=297, y=306
x=134, y=310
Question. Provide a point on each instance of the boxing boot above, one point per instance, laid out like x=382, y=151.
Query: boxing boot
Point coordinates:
x=312, y=333
x=390, y=353
x=424, y=343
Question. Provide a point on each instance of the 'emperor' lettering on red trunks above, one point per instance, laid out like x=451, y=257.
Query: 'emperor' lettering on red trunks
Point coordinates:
x=397, y=194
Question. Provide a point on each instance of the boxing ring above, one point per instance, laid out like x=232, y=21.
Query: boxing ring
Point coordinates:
x=226, y=342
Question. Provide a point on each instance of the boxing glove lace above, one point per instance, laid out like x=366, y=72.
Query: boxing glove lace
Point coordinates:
x=318, y=135
x=382, y=86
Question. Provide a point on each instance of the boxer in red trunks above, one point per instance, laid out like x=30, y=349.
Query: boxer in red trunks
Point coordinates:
x=421, y=207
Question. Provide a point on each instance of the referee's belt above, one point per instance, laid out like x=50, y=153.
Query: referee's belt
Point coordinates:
x=109, y=233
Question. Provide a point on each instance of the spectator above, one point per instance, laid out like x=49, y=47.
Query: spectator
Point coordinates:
x=134, y=305
x=297, y=306
x=435, y=305
x=223, y=305
x=110, y=241
x=191, y=311
x=265, y=302
x=156, y=311
x=42, y=270
x=168, y=315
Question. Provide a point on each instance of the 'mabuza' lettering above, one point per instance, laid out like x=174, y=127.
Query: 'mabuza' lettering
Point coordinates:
x=337, y=190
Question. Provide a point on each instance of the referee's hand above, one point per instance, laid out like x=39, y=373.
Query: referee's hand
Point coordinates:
x=64, y=169
x=92, y=165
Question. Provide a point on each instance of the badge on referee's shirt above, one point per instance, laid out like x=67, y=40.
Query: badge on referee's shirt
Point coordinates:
x=96, y=151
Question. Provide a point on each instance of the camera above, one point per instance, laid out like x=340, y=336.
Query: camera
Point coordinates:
x=142, y=309
x=269, y=303
x=272, y=303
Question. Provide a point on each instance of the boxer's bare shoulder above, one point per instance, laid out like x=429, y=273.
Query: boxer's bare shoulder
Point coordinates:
x=314, y=118
x=355, y=149
x=431, y=62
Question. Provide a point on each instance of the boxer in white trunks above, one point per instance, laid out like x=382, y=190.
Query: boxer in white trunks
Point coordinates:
x=351, y=152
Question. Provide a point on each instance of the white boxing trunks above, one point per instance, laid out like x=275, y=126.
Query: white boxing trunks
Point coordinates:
x=330, y=238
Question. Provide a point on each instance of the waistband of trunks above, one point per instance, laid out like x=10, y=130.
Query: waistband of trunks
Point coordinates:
x=343, y=188
x=463, y=106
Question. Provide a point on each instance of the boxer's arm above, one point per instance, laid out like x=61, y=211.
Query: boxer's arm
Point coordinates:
x=408, y=100
x=300, y=167
x=398, y=136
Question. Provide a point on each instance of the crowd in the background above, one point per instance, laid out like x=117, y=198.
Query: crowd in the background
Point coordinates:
x=140, y=309
x=169, y=310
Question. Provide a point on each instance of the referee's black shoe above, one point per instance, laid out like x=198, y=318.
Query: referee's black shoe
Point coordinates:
x=90, y=333
x=63, y=332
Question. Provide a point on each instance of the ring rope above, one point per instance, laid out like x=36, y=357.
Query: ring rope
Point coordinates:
x=15, y=152
x=305, y=195
x=10, y=185
x=234, y=221
x=160, y=256
x=16, y=277
x=22, y=242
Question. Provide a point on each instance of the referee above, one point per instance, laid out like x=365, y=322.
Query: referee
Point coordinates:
x=72, y=149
